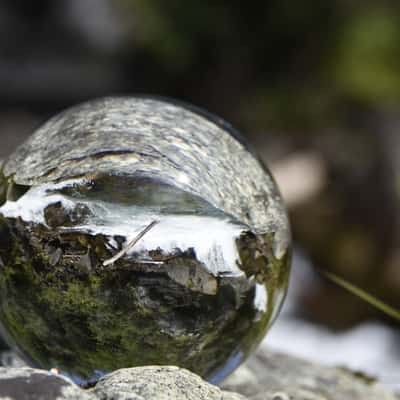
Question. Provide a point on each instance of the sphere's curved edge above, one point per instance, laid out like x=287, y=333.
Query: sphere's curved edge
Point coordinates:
x=200, y=289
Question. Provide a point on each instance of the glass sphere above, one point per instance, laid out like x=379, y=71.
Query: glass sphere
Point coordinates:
x=139, y=231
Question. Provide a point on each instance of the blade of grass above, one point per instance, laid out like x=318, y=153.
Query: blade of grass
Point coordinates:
x=362, y=294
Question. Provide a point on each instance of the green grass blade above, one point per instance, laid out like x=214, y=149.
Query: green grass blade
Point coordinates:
x=379, y=304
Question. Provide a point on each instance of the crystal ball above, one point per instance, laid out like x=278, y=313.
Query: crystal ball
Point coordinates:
x=139, y=231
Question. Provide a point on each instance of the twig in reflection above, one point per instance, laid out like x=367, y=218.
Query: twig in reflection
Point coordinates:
x=130, y=244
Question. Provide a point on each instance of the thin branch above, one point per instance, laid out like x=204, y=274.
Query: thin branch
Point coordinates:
x=362, y=294
x=130, y=244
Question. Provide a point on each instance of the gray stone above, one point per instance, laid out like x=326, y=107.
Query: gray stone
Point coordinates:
x=158, y=383
x=35, y=384
x=266, y=376
x=274, y=376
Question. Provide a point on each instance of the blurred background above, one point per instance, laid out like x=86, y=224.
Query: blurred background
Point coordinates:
x=314, y=85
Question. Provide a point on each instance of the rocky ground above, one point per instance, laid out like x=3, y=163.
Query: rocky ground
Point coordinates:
x=265, y=376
